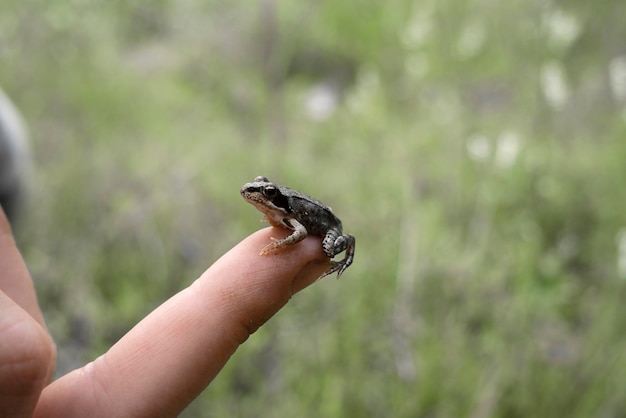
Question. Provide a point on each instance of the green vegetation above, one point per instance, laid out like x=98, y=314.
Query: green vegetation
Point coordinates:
x=476, y=153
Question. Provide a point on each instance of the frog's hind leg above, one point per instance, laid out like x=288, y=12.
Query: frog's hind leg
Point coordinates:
x=333, y=245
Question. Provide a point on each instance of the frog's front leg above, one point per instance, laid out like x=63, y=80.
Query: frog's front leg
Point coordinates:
x=299, y=233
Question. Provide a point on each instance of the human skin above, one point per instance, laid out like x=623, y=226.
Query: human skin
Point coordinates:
x=169, y=357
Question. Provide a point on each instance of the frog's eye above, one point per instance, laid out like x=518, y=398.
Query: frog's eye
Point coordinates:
x=270, y=192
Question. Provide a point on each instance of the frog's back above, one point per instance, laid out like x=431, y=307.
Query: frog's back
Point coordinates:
x=316, y=217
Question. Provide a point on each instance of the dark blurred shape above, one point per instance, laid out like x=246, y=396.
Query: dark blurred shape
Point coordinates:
x=15, y=159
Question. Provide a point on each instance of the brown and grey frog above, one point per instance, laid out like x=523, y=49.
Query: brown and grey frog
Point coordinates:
x=304, y=215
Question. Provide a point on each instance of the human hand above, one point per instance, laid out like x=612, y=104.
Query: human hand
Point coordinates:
x=169, y=357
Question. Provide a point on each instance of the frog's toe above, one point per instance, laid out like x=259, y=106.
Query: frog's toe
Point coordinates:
x=270, y=247
x=335, y=267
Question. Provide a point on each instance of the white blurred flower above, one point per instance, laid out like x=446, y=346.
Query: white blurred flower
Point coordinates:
x=562, y=28
x=508, y=148
x=478, y=147
x=417, y=31
x=617, y=78
x=472, y=39
x=554, y=85
x=322, y=101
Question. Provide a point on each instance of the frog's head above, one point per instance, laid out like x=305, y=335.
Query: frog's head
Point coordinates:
x=268, y=198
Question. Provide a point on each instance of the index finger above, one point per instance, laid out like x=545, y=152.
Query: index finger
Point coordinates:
x=169, y=357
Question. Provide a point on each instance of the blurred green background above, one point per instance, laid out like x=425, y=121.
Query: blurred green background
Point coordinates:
x=475, y=149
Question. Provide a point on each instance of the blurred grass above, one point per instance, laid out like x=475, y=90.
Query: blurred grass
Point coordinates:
x=476, y=153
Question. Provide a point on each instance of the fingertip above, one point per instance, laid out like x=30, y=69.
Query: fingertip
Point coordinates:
x=256, y=285
x=311, y=273
x=296, y=266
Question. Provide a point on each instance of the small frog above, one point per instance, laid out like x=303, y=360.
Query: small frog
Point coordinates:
x=303, y=215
